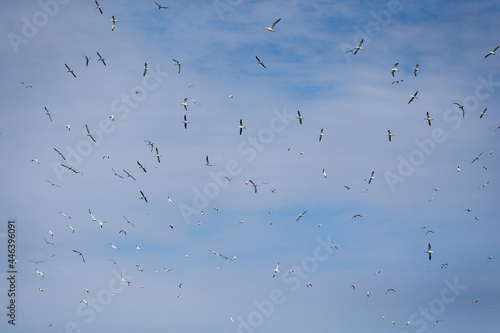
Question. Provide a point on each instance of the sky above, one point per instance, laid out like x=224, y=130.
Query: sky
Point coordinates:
x=201, y=253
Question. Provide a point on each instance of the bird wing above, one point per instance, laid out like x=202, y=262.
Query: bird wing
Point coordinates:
x=272, y=26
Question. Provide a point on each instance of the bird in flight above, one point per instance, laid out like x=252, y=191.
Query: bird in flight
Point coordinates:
x=428, y=118
x=185, y=122
x=491, y=52
x=320, y=135
x=114, y=22
x=369, y=179
x=356, y=215
x=260, y=62
x=395, y=69
x=64, y=158
x=483, y=113
x=25, y=85
x=87, y=61
x=88, y=133
x=79, y=254
x=390, y=289
x=141, y=167
x=477, y=157
x=299, y=117
x=185, y=104
x=324, y=173
x=145, y=69
x=70, y=70
x=68, y=127
x=253, y=185
x=98, y=7
x=276, y=270
x=397, y=81
x=143, y=197
x=51, y=183
x=160, y=6
x=128, y=222
x=208, y=163
x=129, y=175
x=389, y=134
x=415, y=69
x=429, y=251
x=241, y=127
x=461, y=107
x=101, y=59
x=71, y=169
x=301, y=215
x=221, y=255
x=271, y=28
x=414, y=96
x=48, y=113
x=150, y=143
x=157, y=155
x=177, y=63
x=357, y=48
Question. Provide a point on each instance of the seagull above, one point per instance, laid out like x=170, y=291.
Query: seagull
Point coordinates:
x=25, y=85
x=35, y=160
x=276, y=270
x=356, y=215
x=169, y=199
x=177, y=63
x=477, y=157
x=71, y=169
x=429, y=251
x=353, y=286
x=72, y=229
x=88, y=133
x=271, y=28
x=357, y=48
x=309, y=284
x=113, y=247
x=139, y=268
x=390, y=289
x=150, y=143
x=414, y=96
x=482, y=186
x=79, y=254
x=324, y=173
x=483, y=113
x=51, y=233
x=84, y=301
x=320, y=135
x=231, y=318
x=415, y=69
x=142, y=196
x=368, y=293
x=260, y=62
x=65, y=215
x=221, y=255
x=395, y=69
x=185, y=122
x=112, y=117
x=114, y=22
x=39, y=272
x=101, y=59
x=428, y=119
x=64, y=158
x=458, y=169
x=157, y=155
x=137, y=247
x=128, y=174
x=51, y=183
x=185, y=104
x=124, y=232
x=397, y=81
x=301, y=215
x=461, y=107
x=370, y=178
x=145, y=69
x=491, y=52
x=68, y=127
x=98, y=7
x=87, y=61
x=389, y=135
x=70, y=70
x=160, y=6
x=347, y=187
x=241, y=127
x=47, y=113
x=94, y=219
x=436, y=189
x=105, y=156
x=40, y=290
x=254, y=185
x=208, y=163
x=299, y=117
x=141, y=167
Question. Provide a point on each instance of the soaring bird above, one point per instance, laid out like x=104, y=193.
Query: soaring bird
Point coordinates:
x=87, y=61
x=157, y=155
x=324, y=173
x=208, y=163
x=48, y=113
x=276, y=270
x=185, y=104
x=389, y=134
x=428, y=118
x=241, y=127
x=253, y=185
x=477, y=157
x=88, y=133
x=260, y=62
x=271, y=28
x=26, y=86
x=101, y=59
x=185, y=122
x=429, y=251
x=129, y=175
x=51, y=183
x=395, y=69
x=357, y=48
x=128, y=222
x=415, y=69
x=79, y=254
x=483, y=113
x=141, y=167
x=70, y=70
x=369, y=179
x=301, y=215
x=98, y=7
x=492, y=52
x=299, y=117
x=64, y=158
x=145, y=69
x=320, y=135
x=414, y=96
x=160, y=6
x=177, y=63
x=461, y=107
x=70, y=168
x=114, y=22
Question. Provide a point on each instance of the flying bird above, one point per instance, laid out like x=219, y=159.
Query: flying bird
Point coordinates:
x=208, y=163
x=477, y=157
x=145, y=69
x=25, y=85
x=88, y=133
x=114, y=22
x=357, y=48
x=143, y=197
x=241, y=127
x=324, y=173
x=415, y=69
x=414, y=96
x=397, y=81
x=98, y=7
x=160, y=6
x=276, y=270
x=87, y=61
x=70, y=70
x=101, y=59
x=395, y=69
x=491, y=52
x=124, y=232
x=260, y=62
x=429, y=251
x=320, y=135
x=390, y=289
x=369, y=179
x=271, y=28
x=70, y=168
x=185, y=122
x=64, y=158
x=389, y=134
x=253, y=185
x=141, y=167
x=299, y=117
x=185, y=104
x=128, y=222
x=72, y=229
x=177, y=63
x=428, y=118
x=79, y=254
x=301, y=215
x=483, y=113
x=51, y=183
x=68, y=127
x=48, y=113
x=461, y=107
x=157, y=155
x=128, y=174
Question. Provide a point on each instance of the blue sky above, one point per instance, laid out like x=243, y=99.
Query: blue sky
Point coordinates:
x=351, y=97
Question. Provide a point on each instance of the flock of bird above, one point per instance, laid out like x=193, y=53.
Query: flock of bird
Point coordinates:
x=273, y=272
